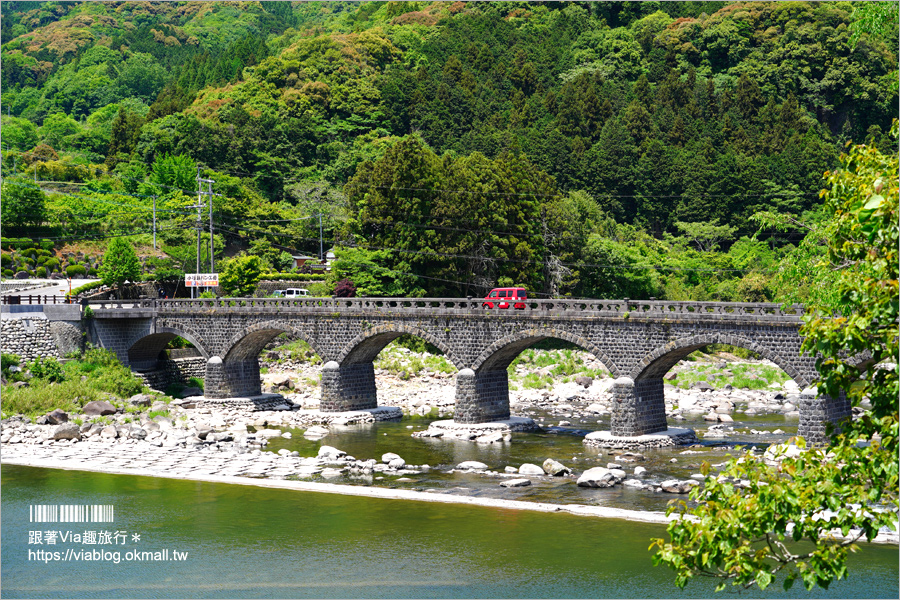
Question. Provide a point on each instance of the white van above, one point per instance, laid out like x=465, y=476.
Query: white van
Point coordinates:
x=296, y=293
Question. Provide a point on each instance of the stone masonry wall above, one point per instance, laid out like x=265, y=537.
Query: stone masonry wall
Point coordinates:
x=28, y=339
x=481, y=397
x=178, y=370
x=348, y=387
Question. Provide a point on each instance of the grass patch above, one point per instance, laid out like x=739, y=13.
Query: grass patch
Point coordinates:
x=743, y=375
x=60, y=386
x=158, y=413
x=534, y=381
x=297, y=350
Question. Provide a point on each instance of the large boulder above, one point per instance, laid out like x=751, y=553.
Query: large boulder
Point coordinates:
x=191, y=391
x=316, y=431
x=530, y=469
x=142, y=400
x=67, y=431
x=519, y=482
x=600, y=477
x=282, y=381
x=57, y=416
x=330, y=452
x=472, y=465
x=556, y=468
x=673, y=486
x=99, y=408
x=584, y=381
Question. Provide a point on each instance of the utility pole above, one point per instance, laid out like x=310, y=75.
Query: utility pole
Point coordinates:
x=212, y=246
x=154, y=222
x=321, y=249
x=198, y=206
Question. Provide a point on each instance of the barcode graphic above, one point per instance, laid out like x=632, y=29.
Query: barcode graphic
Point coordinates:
x=71, y=513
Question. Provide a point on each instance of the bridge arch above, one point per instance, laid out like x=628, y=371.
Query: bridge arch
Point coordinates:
x=247, y=343
x=144, y=353
x=499, y=355
x=366, y=346
x=658, y=362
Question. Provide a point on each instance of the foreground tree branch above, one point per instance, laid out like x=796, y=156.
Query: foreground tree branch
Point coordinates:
x=833, y=496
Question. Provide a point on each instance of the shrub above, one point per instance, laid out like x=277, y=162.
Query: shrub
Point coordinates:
x=7, y=361
x=41, y=272
x=46, y=368
x=76, y=271
x=86, y=287
x=8, y=273
x=345, y=289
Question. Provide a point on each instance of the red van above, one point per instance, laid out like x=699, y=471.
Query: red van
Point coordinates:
x=503, y=297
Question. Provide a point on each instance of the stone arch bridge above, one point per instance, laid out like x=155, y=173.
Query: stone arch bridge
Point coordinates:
x=638, y=341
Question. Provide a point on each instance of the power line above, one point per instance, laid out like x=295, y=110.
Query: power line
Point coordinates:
x=506, y=260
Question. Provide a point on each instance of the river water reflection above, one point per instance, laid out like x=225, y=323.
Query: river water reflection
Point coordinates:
x=373, y=440
x=244, y=541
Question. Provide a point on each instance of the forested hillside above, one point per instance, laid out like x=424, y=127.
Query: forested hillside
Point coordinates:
x=586, y=149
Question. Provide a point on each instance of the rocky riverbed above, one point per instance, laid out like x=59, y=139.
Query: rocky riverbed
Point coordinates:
x=193, y=435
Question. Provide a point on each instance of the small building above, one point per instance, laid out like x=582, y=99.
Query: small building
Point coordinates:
x=302, y=259
x=312, y=262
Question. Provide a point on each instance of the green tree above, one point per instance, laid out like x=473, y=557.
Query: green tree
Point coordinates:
x=365, y=269
x=706, y=235
x=747, y=536
x=23, y=204
x=120, y=264
x=19, y=134
x=240, y=275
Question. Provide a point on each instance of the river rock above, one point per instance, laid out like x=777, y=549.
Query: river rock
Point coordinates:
x=109, y=432
x=282, y=381
x=556, y=468
x=584, y=381
x=530, y=469
x=387, y=457
x=598, y=477
x=316, y=431
x=472, y=465
x=99, y=408
x=137, y=433
x=640, y=471
x=520, y=482
x=673, y=486
x=397, y=463
x=330, y=452
x=67, y=431
x=141, y=400
x=270, y=433
x=56, y=417
x=489, y=438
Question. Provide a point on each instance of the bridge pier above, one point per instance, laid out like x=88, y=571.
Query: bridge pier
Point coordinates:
x=481, y=397
x=639, y=407
x=348, y=387
x=816, y=412
x=237, y=378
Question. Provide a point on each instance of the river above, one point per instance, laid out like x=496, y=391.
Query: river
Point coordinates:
x=242, y=541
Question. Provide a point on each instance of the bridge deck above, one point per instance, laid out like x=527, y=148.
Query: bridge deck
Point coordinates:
x=631, y=309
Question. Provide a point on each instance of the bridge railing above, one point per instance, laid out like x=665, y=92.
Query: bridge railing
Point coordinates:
x=619, y=308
